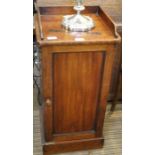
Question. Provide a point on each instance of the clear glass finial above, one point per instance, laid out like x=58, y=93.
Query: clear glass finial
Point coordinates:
x=78, y=22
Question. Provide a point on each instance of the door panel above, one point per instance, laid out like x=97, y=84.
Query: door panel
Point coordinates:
x=76, y=90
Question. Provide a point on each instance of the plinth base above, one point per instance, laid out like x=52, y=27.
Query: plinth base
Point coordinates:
x=75, y=145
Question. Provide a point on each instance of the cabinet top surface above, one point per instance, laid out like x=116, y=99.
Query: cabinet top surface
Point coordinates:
x=49, y=29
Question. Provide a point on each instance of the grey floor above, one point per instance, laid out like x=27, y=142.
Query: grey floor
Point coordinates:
x=112, y=133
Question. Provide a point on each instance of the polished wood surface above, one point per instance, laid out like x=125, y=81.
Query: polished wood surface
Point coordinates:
x=114, y=9
x=73, y=146
x=51, y=18
x=76, y=79
x=112, y=133
x=76, y=89
x=115, y=93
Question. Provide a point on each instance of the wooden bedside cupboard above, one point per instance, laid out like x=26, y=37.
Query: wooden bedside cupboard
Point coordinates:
x=76, y=74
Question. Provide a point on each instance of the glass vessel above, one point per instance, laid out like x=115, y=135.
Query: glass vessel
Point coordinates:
x=78, y=22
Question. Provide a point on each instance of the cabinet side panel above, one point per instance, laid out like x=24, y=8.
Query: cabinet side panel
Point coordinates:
x=76, y=81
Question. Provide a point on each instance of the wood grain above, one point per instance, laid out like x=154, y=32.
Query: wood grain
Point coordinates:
x=75, y=145
x=105, y=85
x=76, y=87
x=104, y=31
x=112, y=133
x=75, y=80
x=47, y=91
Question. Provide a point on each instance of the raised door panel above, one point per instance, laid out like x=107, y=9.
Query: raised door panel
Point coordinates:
x=76, y=90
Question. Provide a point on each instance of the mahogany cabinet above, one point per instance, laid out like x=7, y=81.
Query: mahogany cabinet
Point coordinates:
x=114, y=10
x=76, y=74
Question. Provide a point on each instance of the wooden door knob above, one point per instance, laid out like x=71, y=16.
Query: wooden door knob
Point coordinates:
x=48, y=102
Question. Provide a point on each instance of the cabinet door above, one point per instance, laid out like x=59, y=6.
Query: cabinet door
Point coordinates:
x=73, y=86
